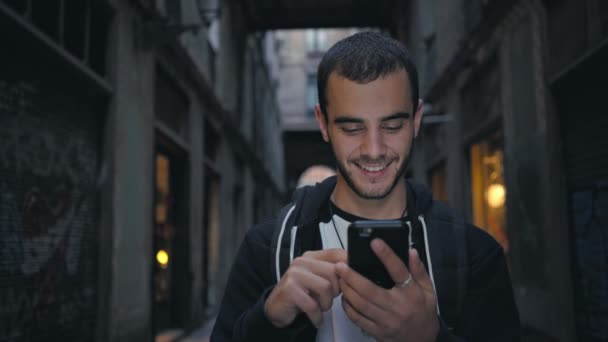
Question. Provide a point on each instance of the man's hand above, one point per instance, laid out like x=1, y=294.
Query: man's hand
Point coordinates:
x=309, y=285
x=398, y=314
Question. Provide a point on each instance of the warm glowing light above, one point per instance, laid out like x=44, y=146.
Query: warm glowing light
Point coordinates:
x=496, y=195
x=163, y=258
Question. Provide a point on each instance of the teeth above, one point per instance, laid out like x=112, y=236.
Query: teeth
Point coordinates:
x=373, y=168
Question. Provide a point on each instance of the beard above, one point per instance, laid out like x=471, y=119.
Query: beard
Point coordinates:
x=373, y=194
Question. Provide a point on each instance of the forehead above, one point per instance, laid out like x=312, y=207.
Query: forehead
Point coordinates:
x=383, y=96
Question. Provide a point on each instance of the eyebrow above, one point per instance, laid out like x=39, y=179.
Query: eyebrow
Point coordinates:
x=348, y=119
x=401, y=115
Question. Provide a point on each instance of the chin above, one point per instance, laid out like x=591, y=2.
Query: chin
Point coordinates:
x=373, y=192
x=371, y=189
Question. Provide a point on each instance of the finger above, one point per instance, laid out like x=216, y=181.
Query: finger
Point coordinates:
x=394, y=265
x=362, y=285
x=319, y=286
x=362, y=305
x=333, y=255
x=305, y=303
x=359, y=320
x=419, y=271
x=322, y=269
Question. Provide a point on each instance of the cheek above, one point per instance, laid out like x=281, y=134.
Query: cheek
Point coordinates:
x=344, y=147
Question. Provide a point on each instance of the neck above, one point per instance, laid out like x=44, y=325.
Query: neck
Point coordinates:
x=390, y=207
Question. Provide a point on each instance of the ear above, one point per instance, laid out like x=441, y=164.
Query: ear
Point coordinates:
x=418, y=119
x=322, y=122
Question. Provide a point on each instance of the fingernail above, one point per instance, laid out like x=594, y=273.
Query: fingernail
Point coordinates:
x=377, y=245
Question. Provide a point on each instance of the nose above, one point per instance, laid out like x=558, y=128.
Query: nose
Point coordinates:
x=373, y=146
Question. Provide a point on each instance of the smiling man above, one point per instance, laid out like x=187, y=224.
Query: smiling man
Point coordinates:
x=291, y=280
x=371, y=134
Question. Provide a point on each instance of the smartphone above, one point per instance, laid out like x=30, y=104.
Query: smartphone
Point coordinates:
x=362, y=258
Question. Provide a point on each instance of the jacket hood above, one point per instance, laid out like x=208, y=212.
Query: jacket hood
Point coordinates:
x=419, y=196
x=308, y=199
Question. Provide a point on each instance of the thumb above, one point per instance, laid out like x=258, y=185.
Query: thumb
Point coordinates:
x=419, y=271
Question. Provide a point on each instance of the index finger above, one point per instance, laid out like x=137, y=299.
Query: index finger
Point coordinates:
x=393, y=264
x=333, y=255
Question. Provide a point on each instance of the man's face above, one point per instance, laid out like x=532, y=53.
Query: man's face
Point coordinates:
x=370, y=127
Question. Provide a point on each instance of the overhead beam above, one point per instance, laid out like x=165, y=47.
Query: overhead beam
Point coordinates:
x=291, y=14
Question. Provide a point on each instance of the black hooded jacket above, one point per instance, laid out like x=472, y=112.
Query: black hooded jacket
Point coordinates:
x=466, y=265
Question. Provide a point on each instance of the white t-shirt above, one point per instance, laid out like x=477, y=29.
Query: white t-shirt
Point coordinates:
x=336, y=326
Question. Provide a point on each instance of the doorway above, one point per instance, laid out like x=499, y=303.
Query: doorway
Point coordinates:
x=580, y=99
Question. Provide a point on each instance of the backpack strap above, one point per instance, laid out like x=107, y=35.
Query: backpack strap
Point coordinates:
x=304, y=208
x=279, y=260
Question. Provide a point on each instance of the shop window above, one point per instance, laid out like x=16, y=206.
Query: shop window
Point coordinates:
x=171, y=290
x=164, y=232
x=488, y=189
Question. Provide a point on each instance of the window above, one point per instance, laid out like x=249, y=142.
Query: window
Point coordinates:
x=311, y=94
x=316, y=40
x=171, y=292
x=164, y=229
x=488, y=187
x=78, y=27
x=171, y=283
x=171, y=104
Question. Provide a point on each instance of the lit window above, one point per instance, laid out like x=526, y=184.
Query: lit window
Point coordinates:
x=488, y=187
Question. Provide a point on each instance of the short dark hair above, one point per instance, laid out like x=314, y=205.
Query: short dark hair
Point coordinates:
x=362, y=58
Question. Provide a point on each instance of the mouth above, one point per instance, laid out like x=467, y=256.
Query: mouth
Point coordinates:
x=373, y=170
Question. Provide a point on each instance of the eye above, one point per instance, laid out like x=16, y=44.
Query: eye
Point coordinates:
x=392, y=125
x=351, y=128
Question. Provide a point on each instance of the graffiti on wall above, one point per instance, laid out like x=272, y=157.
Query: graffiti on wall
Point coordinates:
x=48, y=218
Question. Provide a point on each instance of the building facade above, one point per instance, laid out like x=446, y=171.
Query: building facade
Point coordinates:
x=299, y=54
x=140, y=139
x=513, y=137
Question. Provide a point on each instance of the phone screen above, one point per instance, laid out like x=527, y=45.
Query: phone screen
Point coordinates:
x=362, y=258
